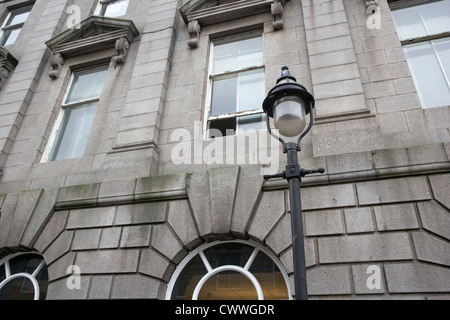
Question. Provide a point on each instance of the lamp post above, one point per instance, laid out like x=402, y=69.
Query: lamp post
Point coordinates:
x=288, y=103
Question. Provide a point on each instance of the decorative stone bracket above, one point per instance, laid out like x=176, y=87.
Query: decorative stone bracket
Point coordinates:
x=197, y=13
x=95, y=34
x=122, y=47
x=7, y=64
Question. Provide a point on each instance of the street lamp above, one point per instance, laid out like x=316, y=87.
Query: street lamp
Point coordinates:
x=289, y=103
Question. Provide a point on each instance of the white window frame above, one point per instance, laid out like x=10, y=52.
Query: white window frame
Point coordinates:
x=242, y=270
x=100, y=4
x=31, y=277
x=421, y=40
x=5, y=27
x=64, y=106
x=212, y=76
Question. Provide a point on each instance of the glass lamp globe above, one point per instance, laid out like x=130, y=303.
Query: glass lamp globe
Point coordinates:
x=289, y=116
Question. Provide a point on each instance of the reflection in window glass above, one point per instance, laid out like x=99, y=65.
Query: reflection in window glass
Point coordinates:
x=114, y=9
x=224, y=272
x=430, y=71
x=12, y=27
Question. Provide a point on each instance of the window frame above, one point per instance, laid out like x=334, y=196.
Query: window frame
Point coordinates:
x=30, y=276
x=405, y=4
x=212, y=76
x=102, y=6
x=49, y=149
x=230, y=267
x=6, y=26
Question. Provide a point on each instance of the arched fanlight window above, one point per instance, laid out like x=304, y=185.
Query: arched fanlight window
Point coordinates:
x=232, y=270
x=23, y=276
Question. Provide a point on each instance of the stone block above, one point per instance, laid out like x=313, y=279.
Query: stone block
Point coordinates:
x=393, y=190
x=270, y=210
x=363, y=248
x=362, y=275
x=328, y=196
x=26, y=205
x=323, y=223
x=136, y=236
x=58, y=290
x=154, y=265
x=358, y=220
x=165, y=242
x=440, y=185
x=88, y=218
x=136, y=287
x=86, y=239
x=396, y=217
x=53, y=228
x=181, y=221
x=58, y=268
x=435, y=218
x=200, y=200
x=151, y=212
x=107, y=261
x=281, y=236
x=7, y=217
x=349, y=162
x=431, y=248
x=248, y=191
x=110, y=238
x=82, y=194
x=222, y=184
x=160, y=184
x=59, y=247
x=416, y=278
x=100, y=287
x=41, y=216
x=329, y=280
x=310, y=256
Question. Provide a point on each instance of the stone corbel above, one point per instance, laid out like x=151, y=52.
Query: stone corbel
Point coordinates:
x=7, y=64
x=56, y=61
x=194, y=33
x=277, y=13
x=122, y=47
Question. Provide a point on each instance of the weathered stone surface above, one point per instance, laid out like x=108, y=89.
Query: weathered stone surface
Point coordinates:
x=136, y=236
x=151, y=212
x=329, y=280
x=86, y=239
x=323, y=222
x=100, y=287
x=54, y=227
x=269, y=211
x=136, y=287
x=222, y=185
x=435, y=218
x=200, y=200
x=59, y=247
x=358, y=220
x=360, y=248
x=416, y=278
x=165, y=242
x=440, y=185
x=181, y=221
x=328, y=197
x=431, y=248
x=393, y=190
x=247, y=193
x=154, y=265
x=58, y=290
x=107, y=261
x=88, y=218
x=396, y=217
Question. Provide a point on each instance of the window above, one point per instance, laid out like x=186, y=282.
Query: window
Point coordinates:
x=425, y=34
x=13, y=25
x=78, y=111
x=23, y=276
x=232, y=270
x=112, y=8
x=237, y=87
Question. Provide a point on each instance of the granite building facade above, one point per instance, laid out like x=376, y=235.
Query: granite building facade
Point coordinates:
x=133, y=148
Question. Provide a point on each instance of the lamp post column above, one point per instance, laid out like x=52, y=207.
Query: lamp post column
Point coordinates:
x=293, y=174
